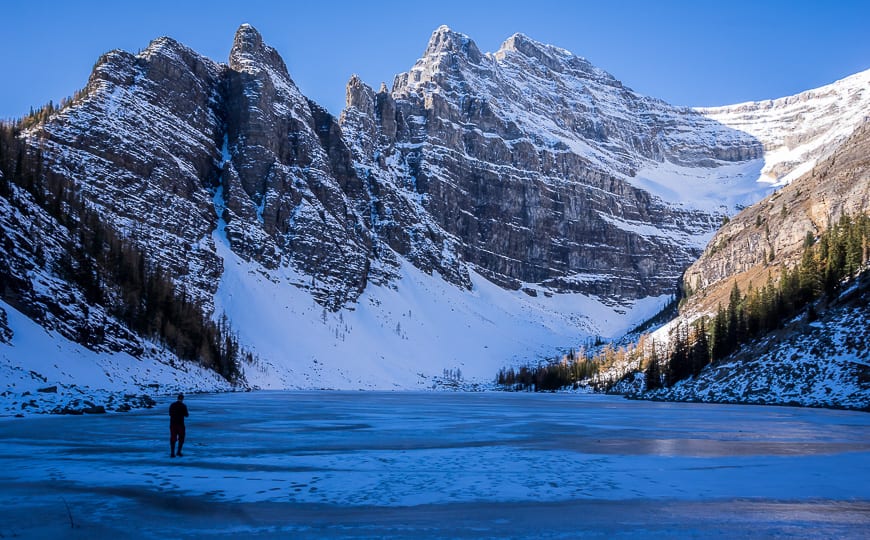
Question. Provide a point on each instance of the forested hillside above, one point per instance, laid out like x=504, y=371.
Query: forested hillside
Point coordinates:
x=67, y=269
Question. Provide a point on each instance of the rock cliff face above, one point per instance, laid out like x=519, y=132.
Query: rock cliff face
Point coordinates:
x=289, y=186
x=141, y=148
x=166, y=143
x=516, y=164
x=522, y=163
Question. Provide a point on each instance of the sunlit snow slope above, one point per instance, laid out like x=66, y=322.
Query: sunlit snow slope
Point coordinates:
x=797, y=131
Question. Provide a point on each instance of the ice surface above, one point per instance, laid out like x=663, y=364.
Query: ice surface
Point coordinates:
x=406, y=465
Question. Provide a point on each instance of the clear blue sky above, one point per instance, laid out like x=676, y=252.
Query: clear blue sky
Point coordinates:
x=685, y=52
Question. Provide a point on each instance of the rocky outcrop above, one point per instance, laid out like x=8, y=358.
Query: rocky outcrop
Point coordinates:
x=166, y=143
x=141, y=149
x=770, y=235
x=291, y=190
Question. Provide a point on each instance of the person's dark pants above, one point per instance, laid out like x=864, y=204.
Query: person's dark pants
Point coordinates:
x=176, y=433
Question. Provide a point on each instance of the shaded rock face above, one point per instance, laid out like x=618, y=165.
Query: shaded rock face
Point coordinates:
x=288, y=178
x=519, y=163
x=5, y=332
x=166, y=143
x=139, y=147
x=32, y=247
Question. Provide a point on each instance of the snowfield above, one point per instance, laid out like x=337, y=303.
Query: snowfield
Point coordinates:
x=438, y=465
x=45, y=372
x=406, y=335
x=799, y=131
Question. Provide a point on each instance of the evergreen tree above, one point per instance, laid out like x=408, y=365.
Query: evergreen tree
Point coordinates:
x=700, y=348
x=720, y=325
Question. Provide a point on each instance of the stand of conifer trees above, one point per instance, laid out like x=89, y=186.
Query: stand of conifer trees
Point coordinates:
x=559, y=373
x=827, y=262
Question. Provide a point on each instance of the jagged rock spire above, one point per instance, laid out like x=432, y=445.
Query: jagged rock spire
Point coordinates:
x=360, y=96
x=445, y=40
x=249, y=52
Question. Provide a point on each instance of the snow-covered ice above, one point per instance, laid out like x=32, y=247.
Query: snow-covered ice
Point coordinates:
x=408, y=465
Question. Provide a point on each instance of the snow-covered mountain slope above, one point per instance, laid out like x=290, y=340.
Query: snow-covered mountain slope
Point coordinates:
x=824, y=363
x=769, y=236
x=552, y=98
x=138, y=147
x=797, y=131
x=817, y=363
x=44, y=371
x=407, y=334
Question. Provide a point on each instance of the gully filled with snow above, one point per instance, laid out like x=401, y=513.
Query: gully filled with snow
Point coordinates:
x=405, y=464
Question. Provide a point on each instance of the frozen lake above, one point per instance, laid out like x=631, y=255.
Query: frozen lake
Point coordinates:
x=463, y=465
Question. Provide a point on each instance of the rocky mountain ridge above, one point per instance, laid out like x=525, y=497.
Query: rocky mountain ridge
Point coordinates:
x=796, y=131
x=360, y=243
x=528, y=155
x=817, y=354
x=767, y=237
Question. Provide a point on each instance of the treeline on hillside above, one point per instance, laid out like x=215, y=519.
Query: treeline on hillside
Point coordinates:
x=826, y=262
x=569, y=370
x=587, y=366
x=40, y=115
x=113, y=271
x=837, y=254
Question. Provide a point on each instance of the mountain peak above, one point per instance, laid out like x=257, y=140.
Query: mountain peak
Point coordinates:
x=445, y=40
x=250, y=52
x=166, y=46
x=247, y=38
x=359, y=95
x=515, y=42
x=551, y=56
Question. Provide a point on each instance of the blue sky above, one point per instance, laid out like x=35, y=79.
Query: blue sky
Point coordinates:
x=685, y=52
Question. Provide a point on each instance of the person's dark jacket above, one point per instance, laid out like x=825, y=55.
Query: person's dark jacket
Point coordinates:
x=177, y=413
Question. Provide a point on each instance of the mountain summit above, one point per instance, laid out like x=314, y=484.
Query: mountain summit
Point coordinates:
x=545, y=168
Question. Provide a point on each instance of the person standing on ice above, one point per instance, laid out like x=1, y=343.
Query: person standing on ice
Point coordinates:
x=177, y=414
